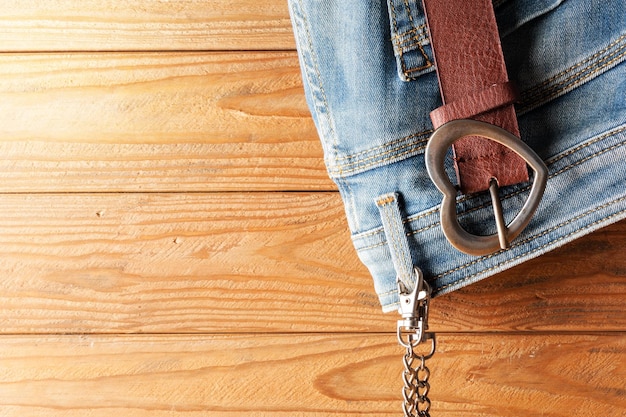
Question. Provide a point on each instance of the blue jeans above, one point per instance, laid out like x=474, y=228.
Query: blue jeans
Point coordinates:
x=370, y=84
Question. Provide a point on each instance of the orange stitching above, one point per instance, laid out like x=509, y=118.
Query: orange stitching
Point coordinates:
x=387, y=144
x=579, y=64
x=409, y=32
x=385, y=201
x=377, y=162
x=534, y=250
x=555, y=91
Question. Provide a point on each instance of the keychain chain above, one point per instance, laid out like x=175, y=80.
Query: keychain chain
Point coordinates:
x=416, y=386
x=412, y=331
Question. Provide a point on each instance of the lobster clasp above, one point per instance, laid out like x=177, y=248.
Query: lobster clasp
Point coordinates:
x=414, y=311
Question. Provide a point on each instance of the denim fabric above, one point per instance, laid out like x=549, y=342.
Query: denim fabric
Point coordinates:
x=369, y=79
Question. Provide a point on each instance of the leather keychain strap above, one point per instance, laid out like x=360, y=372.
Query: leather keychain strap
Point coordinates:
x=474, y=84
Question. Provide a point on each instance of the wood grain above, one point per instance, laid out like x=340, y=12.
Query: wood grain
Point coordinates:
x=308, y=375
x=156, y=122
x=260, y=262
x=140, y=277
x=116, y=25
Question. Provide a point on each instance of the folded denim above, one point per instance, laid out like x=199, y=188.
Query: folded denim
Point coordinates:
x=369, y=80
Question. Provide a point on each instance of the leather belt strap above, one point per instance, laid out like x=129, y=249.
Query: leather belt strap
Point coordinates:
x=474, y=84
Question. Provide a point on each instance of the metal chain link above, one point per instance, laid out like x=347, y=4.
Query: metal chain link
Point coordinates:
x=416, y=387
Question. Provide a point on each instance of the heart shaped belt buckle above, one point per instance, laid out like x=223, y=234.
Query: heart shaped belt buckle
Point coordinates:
x=436, y=151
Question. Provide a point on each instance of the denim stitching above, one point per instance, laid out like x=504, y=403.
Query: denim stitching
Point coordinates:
x=574, y=79
x=508, y=261
x=411, y=44
x=579, y=64
x=538, y=94
x=386, y=145
x=428, y=64
x=383, y=243
x=330, y=121
x=536, y=249
x=394, y=22
x=556, y=93
x=359, y=167
x=396, y=31
x=400, y=50
x=319, y=77
x=584, y=145
x=408, y=33
x=507, y=196
x=359, y=162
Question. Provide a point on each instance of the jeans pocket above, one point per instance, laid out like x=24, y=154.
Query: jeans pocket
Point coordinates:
x=409, y=36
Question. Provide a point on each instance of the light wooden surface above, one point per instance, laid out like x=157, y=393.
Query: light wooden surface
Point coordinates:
x=130, y=25
x=260, y=262
x=307, y=375
x=156, y=122
x=170, y=244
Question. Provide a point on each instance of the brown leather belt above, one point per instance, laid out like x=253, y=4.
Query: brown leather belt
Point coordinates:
x=474, y=84
x=487, y=150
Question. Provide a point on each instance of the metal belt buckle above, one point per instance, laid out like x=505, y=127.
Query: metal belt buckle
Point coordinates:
x=436, y=150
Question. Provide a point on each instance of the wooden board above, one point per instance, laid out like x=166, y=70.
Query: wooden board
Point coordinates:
x=116, y=25
x=139, y=276
x=156, y=122
x=260, y=262
x=308, y=375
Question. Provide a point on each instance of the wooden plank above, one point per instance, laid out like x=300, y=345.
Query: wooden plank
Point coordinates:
x=261, y=262
x=308, y=375
x=156, y=122
x=115, y=25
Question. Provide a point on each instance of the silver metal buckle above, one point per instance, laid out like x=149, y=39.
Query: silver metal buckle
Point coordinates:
x=436, y=150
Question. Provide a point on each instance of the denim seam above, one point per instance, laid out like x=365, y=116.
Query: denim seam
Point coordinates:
x=579, y=64
x=507, y=196
x=413, y=147
x=386, y=145
x=571, y=82
x=414, y=43
x=545, y=232
x=508, y=261
x=417, y=33
x=335, y=140
x=586, y=144
x=359, y=167
x=419, y=45
x=319, y=79
x=537, y=95
x=414, y=232
x=406, y=221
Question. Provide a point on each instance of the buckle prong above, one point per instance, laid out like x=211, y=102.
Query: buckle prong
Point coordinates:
x=498, y=214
